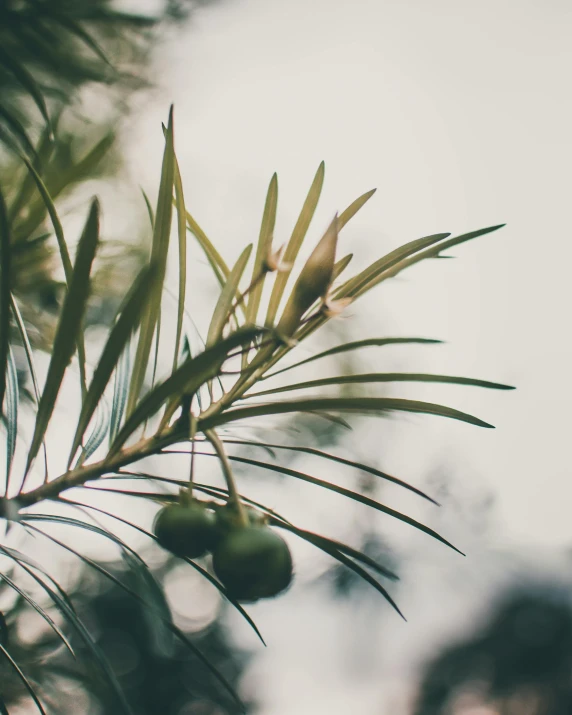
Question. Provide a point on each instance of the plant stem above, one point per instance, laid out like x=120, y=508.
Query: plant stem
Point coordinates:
x=218, y=447
x=79, y=476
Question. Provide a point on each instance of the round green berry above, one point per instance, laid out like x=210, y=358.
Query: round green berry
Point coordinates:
x=252, y=562
x=186, y=529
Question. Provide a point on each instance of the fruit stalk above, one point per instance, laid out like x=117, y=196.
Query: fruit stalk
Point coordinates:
x=218, y=447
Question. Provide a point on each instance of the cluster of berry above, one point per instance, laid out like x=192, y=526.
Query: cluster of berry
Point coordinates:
x=249, y=558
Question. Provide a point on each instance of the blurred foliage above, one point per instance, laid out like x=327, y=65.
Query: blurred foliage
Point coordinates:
x=51, y=48
x=51, y=51
x=155, y=671
x=520, y=663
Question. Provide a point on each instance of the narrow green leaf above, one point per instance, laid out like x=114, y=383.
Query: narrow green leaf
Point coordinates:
x=149, y=208
x=295, y=242
x=120, y=391
x=262, y=250
x=76, y=29
x=196, y=566
x=12, y=401
x=377, y=377
x=129, y=316
x=354, y=554
x=64, y=253
x=341, y=265
x=334, y=458
x=27, y=347
x=86, y=167
x=320, y=541
x=5, y=294
x=36, y=606
x=222, y=309
x=355, y=345
x=159, y=251
x=98, y=432
x=352, y=287
x=298, y=475
x=97, y=653
x=216, y=261
x=176, y=631
x=130, y=556
x=353, y=208
x=356, y=496
x=28, y=564
x=23, y=678
x=17, y=129
x=54, y=218
x=182, y=231
x=391, y=265
x=146, y=584
x=69, y=327
x=345, y=404
x=433, y=252
x=186, y=380
x=338, y=555
x=43, y=152
x=26, y=79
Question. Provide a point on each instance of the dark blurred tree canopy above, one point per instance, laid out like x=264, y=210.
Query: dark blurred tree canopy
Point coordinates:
x=520, y=663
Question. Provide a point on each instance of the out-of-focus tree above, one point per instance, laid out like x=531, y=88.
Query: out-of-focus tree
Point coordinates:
x=520, y=663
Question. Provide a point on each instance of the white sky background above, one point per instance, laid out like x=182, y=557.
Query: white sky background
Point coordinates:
x=460, y=115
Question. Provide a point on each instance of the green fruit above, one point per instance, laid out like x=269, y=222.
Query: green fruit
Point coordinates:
x=252, y=562
x=186, y=529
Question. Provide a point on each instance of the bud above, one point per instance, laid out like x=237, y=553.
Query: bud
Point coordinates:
x=313, y=282
x=332, y=308
x=274, y=263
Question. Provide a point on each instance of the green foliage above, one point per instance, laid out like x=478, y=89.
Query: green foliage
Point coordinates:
x=214, y=388
x=49, y=49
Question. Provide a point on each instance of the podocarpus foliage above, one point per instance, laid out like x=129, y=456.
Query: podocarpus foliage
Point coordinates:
x=204, y=396
x=269, y=302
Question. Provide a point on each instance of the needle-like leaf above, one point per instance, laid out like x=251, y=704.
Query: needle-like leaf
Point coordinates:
x=23, y=678
x=182, y=232
x=176, y=631
x=117, y=343
x=355, y=345
x=262, y=250
x=224, y=303
x=36, y=606
x=356, y=496
x=345, y=404
x=353, y=208
x=25, y=79
x=381, y=377
x=196, y=566
x=298, y=449
x=295, y=242
x=430, y=252
x=159, y=252
x=69, y=327
x=5, y=294
x=12, y=400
